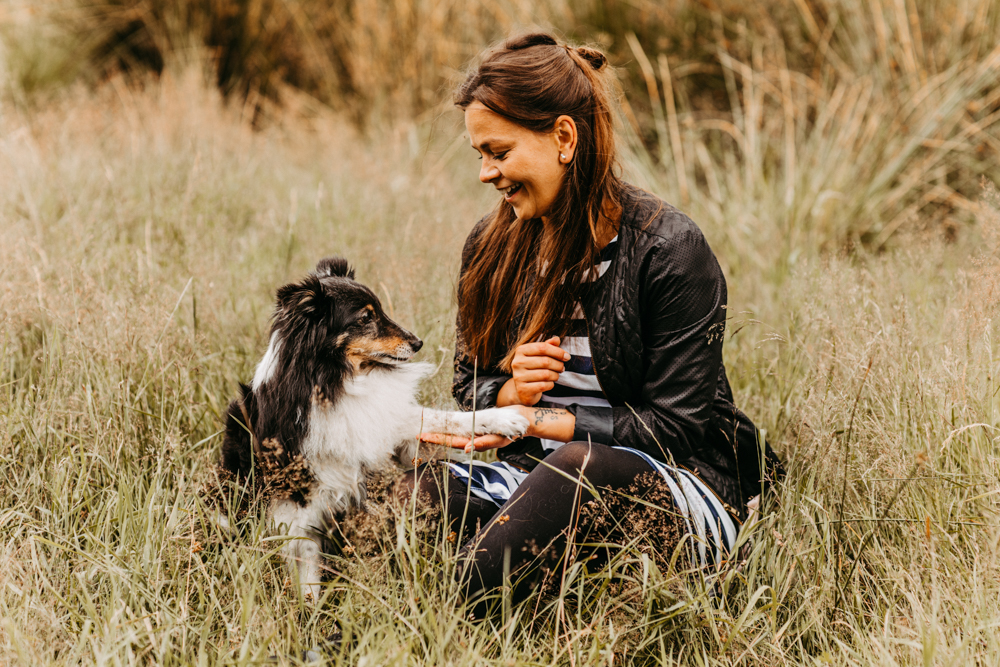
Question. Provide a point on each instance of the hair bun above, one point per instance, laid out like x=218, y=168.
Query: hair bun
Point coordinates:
x=530, y=39
x=596, y=59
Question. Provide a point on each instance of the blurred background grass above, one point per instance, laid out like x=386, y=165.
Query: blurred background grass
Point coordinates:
x=800, y=98
x=164, y=166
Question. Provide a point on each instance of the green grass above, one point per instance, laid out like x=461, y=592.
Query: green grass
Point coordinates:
x=144, y=232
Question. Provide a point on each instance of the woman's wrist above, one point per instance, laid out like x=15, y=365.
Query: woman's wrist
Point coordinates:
x=549, y=423
x=507, y=394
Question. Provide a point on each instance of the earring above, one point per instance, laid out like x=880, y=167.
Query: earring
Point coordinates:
x=562, y=157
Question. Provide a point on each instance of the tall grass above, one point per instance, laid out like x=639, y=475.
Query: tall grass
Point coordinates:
x=371, y=59
x=848, y=153
x=146, y=222
x=144, y=233
x=826, y=125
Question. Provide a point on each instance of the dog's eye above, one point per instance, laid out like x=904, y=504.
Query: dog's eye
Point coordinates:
x=365, y=317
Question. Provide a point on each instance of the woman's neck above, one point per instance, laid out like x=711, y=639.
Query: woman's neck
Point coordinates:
x=607, y=226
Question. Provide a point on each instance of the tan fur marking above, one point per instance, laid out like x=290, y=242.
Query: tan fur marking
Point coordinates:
x=363, y=350
x=375, y=346
x=319, y=398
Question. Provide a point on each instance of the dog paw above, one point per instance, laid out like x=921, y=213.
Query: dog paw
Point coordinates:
x=507, y=422
x=311, y=593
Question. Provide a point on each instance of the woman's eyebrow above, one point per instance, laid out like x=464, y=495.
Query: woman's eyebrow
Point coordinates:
x=488, y=145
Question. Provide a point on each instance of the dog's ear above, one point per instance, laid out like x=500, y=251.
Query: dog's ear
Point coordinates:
x=302, y=297
x=335, y=267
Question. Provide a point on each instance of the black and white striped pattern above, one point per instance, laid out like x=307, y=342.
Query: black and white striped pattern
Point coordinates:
x=710, y=525
x=578, y=383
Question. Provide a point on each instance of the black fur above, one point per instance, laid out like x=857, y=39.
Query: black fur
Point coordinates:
x=236, y=443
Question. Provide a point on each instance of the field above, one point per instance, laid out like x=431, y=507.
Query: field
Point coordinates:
x=145, y=222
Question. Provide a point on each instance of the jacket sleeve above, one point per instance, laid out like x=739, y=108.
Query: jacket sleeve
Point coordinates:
x=472, y=388
x=483, y=388
x=682, y=302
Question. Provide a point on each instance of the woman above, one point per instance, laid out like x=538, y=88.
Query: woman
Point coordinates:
x=597, y=310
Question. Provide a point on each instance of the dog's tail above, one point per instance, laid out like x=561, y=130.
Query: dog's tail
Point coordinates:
x=229, y=496
x=237, y=443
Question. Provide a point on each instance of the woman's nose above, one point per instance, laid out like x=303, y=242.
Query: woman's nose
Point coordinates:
x=488, y=172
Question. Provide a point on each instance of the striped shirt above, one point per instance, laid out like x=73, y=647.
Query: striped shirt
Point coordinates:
x=578, y=383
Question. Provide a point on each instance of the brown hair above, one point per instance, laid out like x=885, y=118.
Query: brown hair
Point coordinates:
x=531, y=80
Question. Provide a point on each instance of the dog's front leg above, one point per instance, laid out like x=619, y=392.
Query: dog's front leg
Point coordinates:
x=508, y=422
x=301, y=553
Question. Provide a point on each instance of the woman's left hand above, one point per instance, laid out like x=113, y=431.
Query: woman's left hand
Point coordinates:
x=480, y=444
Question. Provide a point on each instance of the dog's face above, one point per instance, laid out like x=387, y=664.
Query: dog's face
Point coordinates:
x=340, y=316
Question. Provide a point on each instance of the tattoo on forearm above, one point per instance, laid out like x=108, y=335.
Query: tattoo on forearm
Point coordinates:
x=552, y=414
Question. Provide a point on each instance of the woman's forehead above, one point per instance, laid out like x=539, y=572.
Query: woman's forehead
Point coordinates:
x=487, y=127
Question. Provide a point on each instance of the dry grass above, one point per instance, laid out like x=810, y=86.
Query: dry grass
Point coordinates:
x=824, y=125
x=372, y=59
x=827, y=123
x=145, y=230
x=849, y=152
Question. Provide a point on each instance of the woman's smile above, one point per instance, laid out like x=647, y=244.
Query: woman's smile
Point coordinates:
x=508, y=193
x=526, y=167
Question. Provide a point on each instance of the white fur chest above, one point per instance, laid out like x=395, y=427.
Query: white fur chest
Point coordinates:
x=375, y=412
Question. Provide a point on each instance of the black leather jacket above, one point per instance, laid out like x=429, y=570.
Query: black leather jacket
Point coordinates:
x=656, y=321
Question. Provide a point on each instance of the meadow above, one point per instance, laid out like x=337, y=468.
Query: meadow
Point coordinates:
x=147, y=218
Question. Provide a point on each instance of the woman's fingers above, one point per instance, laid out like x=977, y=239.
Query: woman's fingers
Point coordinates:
x=484, y=442
x=536, y=368
x=543, y=375
x=544, y=349
x=445, y=439
x=530, y=393
x=480, y=444
x=532, y=363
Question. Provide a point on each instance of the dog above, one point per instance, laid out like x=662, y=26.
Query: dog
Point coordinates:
x=332, y=400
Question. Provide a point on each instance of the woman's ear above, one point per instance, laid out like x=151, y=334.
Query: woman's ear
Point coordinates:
x=565, y=137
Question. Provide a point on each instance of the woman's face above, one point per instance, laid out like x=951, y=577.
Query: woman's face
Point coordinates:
x=527, y=167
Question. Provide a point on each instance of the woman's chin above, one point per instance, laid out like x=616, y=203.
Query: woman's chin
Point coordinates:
x=521, y=208
x=524, y=213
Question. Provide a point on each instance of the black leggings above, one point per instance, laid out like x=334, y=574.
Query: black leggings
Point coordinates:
x=539, y=515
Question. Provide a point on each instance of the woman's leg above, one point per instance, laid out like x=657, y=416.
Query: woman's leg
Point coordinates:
x=544, y=509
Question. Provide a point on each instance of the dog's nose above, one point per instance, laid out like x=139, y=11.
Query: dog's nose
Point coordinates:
x=416, y=345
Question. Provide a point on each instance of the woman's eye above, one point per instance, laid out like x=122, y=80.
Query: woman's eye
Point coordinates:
x=501, y=156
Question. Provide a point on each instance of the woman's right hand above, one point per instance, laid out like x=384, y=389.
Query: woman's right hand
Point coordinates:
x=535, y=369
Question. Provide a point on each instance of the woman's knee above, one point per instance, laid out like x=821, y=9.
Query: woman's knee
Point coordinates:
x=600, y=465
x=574, y=457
